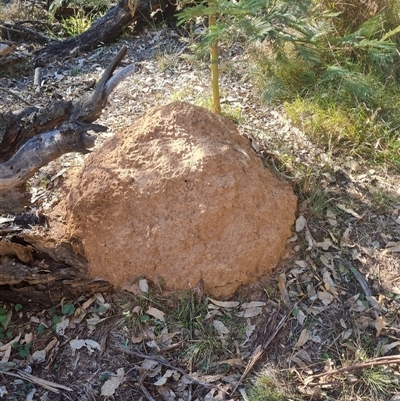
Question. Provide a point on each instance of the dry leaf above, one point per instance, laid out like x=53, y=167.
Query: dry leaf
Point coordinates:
x=346, y=334
x=376, y=304
x=143, y=285
x=162, y=380
x=304, y=337
x=301, y=223
x=325, y=245
x=325, y=297
x=249, y=312
x=109, y=387
x=39, y=356
x=309, y=239
x=62, y=325
x=348, y=210
x=137, y=340
x=156, y=313
x=301, y=316
x=91, y=345
x=253, y=304
x=224, y=304
x=301, y=263
x=298, y=361
x=220, y=327
x=283, y=290
x=386, y=348
x=379, y=324
x=364, y=321
x=329, y=284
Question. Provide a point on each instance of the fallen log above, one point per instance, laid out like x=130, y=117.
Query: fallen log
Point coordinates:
x=35, y=266
x=106, y=29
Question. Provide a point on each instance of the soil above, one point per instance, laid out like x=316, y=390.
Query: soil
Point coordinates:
x=333, y=301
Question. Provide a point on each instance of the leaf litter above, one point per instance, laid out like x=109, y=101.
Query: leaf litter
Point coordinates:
x=329, y=313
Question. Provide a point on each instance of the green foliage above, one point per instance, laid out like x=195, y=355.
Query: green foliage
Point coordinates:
x=23, y=349
x=68, y=309
x=256, y=20
x=41, y=328
x=266, y=388
x=18, y=307
x=79, y=4
x=77, y=24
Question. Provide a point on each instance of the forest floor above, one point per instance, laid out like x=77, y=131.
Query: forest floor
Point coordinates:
x=325, y=326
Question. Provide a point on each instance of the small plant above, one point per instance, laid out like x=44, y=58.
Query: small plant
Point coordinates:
x=24, y=350
x=5, y=331
x=377, y=381
x=77, y=24
x=68, y=309
x=266, y=388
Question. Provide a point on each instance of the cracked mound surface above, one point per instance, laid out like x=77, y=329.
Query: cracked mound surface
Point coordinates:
x=180, y=197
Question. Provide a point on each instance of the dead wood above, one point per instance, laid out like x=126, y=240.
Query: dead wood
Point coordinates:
x=104, y=30
x=40, y=270
x=32, y=137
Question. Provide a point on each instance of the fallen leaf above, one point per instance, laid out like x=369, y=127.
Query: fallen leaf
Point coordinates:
x=325, y=297
x=386, y=348
x=329, y=284
x=283, y=290
x=364, y=321
x=224, y=304
x=143, y=285
x=379, y=324
x=39, y=356
x=301, y=223
x=110, y=386
x=253, y=304
x=348, y=210
x=298, y=361
x=62, y=325
x=220, y=327
x=304, y=337
x=156, y=313
x=309, y=239
x=137, y=340
x=346, y=334
x=162, y=380
x=301, y=316
x=325, y=244
x=301, y=263
x=91, y=345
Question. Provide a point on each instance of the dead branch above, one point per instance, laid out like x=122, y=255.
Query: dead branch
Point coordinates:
x=385, y=360
x=33, y=137
x=164, y=362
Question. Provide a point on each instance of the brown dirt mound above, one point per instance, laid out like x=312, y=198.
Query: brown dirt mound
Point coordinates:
x=180, y=197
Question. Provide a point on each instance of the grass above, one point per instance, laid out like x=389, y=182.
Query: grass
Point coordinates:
x=188, y=317
x=266, y=387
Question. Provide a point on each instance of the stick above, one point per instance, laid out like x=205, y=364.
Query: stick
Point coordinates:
x=385, y=360
x=168, y=365
x=48, y=385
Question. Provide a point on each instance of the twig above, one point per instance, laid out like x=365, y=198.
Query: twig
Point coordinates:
x=15, y=95
x=385, y=360
x=24, y=29
x=145, y=391
x=162, y=361
x=48, y=385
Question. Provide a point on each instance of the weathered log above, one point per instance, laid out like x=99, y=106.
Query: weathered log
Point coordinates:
x=30, y=138
x=38, y=267
x=106, y=29
x=46, y=283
